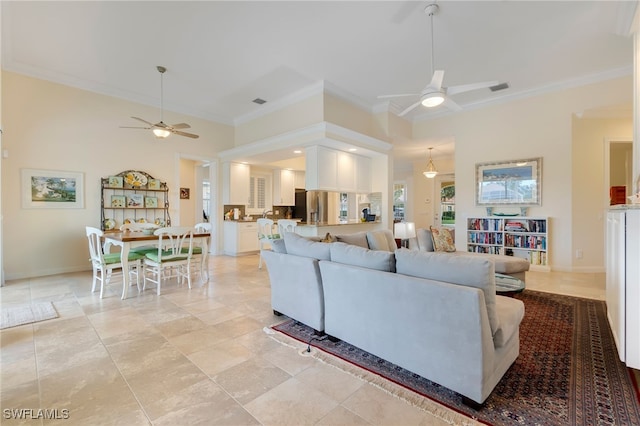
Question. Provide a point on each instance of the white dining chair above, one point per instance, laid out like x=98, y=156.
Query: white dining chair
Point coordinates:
x=197, y=252
x=104, y=264
x=265, y=236
x=286, y=225
x=140, y=227
x=169, y=260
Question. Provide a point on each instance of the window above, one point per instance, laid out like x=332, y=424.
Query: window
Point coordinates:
x=399, y=199
x=206, y=200
x=259, y=194
x=448, y=203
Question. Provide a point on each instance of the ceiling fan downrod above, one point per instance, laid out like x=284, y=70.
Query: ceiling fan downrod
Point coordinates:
x=431, y=10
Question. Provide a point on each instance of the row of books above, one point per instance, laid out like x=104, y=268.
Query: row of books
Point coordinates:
x=526, y=241
x=485, y=249
x=529, y=225
x=134, y=201
x=485, y=238
x=485, y=224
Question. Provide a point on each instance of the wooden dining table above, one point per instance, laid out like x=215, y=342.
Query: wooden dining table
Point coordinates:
x=130, y=239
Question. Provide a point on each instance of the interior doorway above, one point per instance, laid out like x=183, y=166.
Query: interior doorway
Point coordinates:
x=618, y=171
x=445, y=200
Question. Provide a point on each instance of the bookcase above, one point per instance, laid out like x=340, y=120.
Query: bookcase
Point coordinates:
x=133, y=196
x=526, y=237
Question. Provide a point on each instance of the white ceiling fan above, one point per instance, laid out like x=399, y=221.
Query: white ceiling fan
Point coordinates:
x=160, y=129
x=434, y=93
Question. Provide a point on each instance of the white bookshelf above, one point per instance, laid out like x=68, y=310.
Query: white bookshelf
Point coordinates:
x=525, y=237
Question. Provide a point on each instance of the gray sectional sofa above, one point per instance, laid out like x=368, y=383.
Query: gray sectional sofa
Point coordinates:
x=437, y=316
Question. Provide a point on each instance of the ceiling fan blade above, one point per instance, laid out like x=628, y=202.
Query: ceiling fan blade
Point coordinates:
x=189, y=135
x=180, y=126
x=436, y=80
x=409, y=109
x=469, y=87
x=144, y=121
x=398, y=96
x=451, y=105
x=131, y=127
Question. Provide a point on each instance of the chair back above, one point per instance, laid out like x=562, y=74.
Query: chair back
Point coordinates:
x=94, y=235
x=286, y=225
x=265, y=229
x=172, y=240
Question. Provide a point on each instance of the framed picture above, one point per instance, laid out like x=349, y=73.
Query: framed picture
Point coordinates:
x=153, y=184
x=184, y=193
x=115, y=181
x=118, y=201
x=517, y=182
x=135, y=201
x=51, y=189
x=151, y=202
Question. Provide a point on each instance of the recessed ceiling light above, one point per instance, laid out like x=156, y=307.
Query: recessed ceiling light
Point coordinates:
x=297, y=151
x=352, y=149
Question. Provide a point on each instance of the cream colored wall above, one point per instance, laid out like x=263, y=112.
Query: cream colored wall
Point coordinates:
x=590, y=196
x=188, y=180
x=344, y=114
x=533, y=127
x=293, y=117
x=55, y=127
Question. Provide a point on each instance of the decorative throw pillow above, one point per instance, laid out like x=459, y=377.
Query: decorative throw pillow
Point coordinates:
x=442, y=240
x=329, y=239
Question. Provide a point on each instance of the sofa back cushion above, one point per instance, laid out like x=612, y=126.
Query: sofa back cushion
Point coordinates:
x=278, y=246
x=301, y=246
x=425, y=241
x=381, y=240
x=467, y=270
x=357, y=239
x=359, y=256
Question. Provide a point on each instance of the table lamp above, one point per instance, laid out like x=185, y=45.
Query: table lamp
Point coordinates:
x=403, y=231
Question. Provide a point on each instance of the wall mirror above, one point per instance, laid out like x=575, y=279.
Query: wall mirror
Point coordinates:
x=517, y=182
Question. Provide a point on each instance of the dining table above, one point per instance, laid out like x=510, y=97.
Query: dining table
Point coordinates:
x=127, y=240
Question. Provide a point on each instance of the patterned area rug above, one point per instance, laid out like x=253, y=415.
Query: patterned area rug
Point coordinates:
x=568, y=371
x=19, y=315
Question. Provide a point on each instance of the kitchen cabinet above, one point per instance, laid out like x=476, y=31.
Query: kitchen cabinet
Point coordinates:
x=284, y=192
x=235, y=184
x=332, y=170
x=240, y=238
x=298, y=181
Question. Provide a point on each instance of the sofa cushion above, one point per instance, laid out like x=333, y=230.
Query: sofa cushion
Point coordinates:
x=359, y=256
x=301, y=246
x=357, y=239
x=278, y=246
x=442, y=240
x=469, y=270
x=425, y=241
x=381, y=240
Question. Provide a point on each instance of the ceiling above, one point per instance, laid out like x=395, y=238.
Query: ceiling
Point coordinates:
x=221, y=55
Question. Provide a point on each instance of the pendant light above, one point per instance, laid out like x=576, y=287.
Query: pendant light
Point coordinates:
x=431, y=171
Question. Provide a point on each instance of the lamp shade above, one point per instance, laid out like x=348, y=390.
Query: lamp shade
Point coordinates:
x=404, y=230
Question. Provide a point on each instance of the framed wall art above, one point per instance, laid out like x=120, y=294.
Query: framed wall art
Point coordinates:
x=184, y=193
x=517, y=182
x=49, y=189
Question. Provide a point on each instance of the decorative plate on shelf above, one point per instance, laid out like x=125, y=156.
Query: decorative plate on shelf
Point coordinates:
x=135, y=179
x=109, y=224
x=142, y=220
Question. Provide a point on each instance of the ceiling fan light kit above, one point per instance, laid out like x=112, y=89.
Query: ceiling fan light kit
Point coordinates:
x=432, y=99
x=161, y=130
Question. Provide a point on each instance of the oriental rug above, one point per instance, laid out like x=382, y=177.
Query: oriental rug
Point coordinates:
x=13, y=316
x=568, y=371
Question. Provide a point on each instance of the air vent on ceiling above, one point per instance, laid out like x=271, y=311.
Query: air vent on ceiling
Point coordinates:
x=500, y=86
x=259, y=101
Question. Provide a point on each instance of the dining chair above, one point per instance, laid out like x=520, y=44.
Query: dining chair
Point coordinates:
x=197, y=253
x=265, y=236
x=104, y=264
x=169, y=260
x=286, y=225
x=139, y=227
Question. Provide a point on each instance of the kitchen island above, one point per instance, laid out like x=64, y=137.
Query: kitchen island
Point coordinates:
x=321, y=229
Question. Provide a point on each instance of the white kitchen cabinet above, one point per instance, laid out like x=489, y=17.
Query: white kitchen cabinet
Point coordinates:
x=235, y=188
x=240, y=238
x=346, y=169
x=363, y=174
x=623, y=282
x=284, y=191
x=299, y=179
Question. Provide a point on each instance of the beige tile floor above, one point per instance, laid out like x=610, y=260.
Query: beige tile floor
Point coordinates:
x=189, y=357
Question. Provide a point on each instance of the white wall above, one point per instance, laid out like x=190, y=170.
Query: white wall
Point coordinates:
x=528, y=128
x=55, y=127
